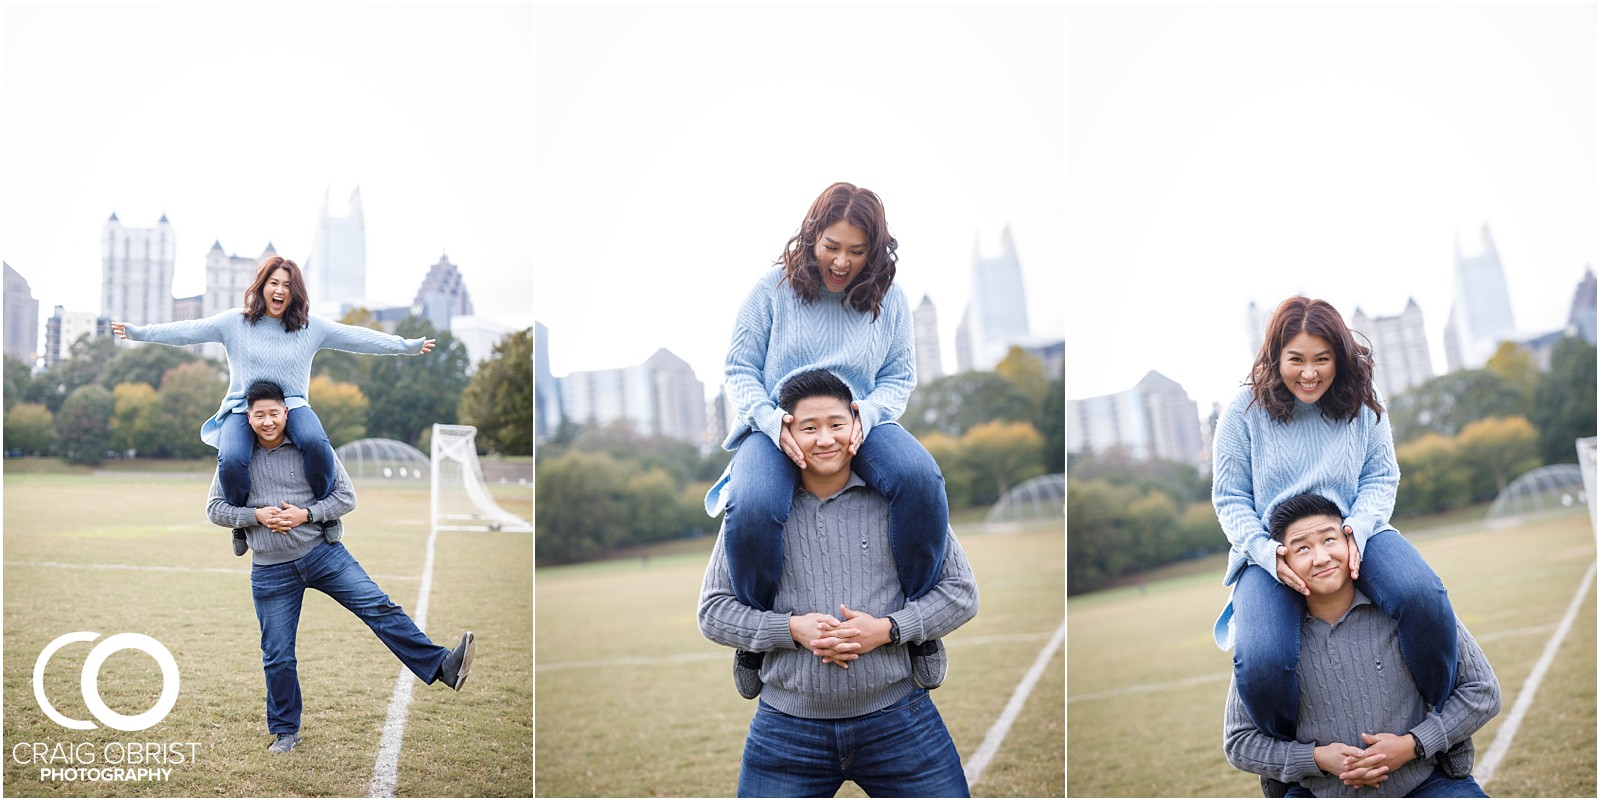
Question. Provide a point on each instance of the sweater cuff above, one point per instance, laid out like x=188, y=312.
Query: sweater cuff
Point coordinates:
x=414, y=346
x=1362, y=527
x=1302, y=762
x=770, y=422
x=909, y=621
x=1263, y=551
x=870, y=414
x=1431, y=735
x=774, y=632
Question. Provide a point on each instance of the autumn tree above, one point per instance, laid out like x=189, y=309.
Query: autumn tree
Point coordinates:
x=30, y=428
x=1496, y=450
x=1003, y=453
x=341, y=407
x=499, y=399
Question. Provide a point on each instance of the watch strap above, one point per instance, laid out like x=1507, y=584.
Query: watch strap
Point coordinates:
x=894, y=632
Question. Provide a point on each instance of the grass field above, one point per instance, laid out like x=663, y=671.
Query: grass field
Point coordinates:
x=1146, y=684
x=69, y=543
x=632, y=701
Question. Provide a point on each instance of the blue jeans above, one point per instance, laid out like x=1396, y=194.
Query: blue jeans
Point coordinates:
x=761, y=492
x=238, y=442
x=279, y=591
x=1267, y=617
x=1437, y=785
x=900, y=751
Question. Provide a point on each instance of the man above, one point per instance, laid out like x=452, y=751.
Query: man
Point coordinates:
x=297, y=547
x=1364, y=729
x=839, y=701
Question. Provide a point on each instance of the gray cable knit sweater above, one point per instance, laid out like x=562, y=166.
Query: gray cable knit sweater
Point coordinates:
x=836, y=550
x=276, y=476
x=1352, y=680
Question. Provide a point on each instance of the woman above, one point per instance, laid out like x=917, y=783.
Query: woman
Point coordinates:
x=272, y=338
x=829, y=303
x=1310, y=421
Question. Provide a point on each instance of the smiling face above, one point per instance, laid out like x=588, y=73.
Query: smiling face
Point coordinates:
x=277, y=293
x=1307, y=366
x=1318, y=553
x=841, y=255
x=267, y=419
x=821, y=428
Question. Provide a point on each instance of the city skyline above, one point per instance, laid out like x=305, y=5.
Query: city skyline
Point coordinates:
x=669, y=183
x=1203, y=179
x=120, y=120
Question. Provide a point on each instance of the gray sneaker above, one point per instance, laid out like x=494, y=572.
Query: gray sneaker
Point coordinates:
x=928, y=664
x=284, y=743
x=747, y=672
x=240, y=544
x=1272, y=788
x=459, y=663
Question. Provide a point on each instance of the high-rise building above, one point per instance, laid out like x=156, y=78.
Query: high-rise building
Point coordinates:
x=1581, y=318
x=443, y=294
x=479, y=335
x=925, y=321
x=336, y=271
x=64, y=328
x=22, y=318
x=136, y=285
x=661, y=397
x=1480, y=317
x=1255, y=326
x=546, y=389
x=1399, y=348
x=996, y=316
x=1153, y=420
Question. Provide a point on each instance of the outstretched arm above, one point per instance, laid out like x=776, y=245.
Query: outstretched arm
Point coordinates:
x=182, y=332
x=358, y=339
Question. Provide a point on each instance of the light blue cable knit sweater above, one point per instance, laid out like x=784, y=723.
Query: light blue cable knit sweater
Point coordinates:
x=266, y=352
x=777, y=336
x=1258, y=463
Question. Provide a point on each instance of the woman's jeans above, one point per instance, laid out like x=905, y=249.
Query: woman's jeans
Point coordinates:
x=761, y=491
x=1267, y=617
x=900, y=751
x=238, y=442
x=279, y=590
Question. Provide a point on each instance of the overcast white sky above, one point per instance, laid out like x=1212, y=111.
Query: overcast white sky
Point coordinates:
x=1219, y=154
x=233, y=119
x=679, y=146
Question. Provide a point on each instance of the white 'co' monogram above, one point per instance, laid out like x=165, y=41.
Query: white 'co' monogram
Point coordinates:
x=91, y=680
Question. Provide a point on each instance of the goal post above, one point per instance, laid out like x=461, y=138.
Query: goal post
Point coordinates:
x=460, y=497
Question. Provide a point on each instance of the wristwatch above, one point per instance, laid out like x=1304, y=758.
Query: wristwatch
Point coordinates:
x=310, y=516
x=894, y=632
x=1417, y=747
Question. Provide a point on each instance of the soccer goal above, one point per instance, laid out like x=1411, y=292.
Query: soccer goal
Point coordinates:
x=461, y=500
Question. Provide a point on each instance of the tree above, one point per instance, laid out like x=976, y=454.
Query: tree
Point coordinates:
x=88, y=357
x=1052, y=425
x=582, y=506
x=18, y=377
x=411, y=393
x=1564, y=401
x=1004, y=453
x=146, y=364
x=189, y=394
x=1025, y=372
x=1514, y=364
x=341, y=407
x=1446, y=403
x=84, y=424
x=499, y=398
x=946, y=452
x=30, y=428
x=136, y=418
x=955, y=403
x=1496, y=450
x=653, y=509
x=1433, y=478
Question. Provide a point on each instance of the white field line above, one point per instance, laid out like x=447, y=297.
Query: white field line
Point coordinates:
x=1502, y=738
x=386, y=768
x=164, y=568
x=1002, y=726
x=709, y=656
x=1207, y=678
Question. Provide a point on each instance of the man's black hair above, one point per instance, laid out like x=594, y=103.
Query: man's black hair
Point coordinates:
x=812, y=384
x=263, y=390
x=1298, y=508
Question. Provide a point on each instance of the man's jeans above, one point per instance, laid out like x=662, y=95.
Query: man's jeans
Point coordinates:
x=279, y=591
x=1437, y=785
x=1266, y=624
x=902, y=750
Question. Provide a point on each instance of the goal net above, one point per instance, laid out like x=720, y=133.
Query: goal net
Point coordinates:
x=1586, y=463
x=461, y=500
